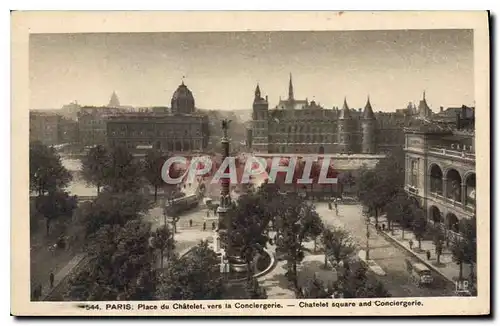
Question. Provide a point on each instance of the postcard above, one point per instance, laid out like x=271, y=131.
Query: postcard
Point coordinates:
x=250, y=163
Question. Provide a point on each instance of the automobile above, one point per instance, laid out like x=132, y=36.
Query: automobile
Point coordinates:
x=419, y=273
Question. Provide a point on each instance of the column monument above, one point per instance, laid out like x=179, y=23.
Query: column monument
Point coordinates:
x=225, y=194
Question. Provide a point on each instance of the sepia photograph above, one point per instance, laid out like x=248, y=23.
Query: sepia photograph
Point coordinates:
x=249, y=172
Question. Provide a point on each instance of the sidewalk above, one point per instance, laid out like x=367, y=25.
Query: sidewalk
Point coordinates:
x=61, y=276
x=446, y=268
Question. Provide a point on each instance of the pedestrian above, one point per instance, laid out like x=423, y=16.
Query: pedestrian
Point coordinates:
x=204, y=226
x=428, y=253
x=213, y=225
x=411, y=245
x=190, y=223
x=208, y=213
x=383, y=226
x=51, y=279
x=330, y=206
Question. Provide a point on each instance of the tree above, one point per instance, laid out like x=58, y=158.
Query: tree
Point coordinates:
x=120, y=266
x=47, y=174
x=460, y=255
x=55, y=205
x=122, y=173
x=419, y=227
x=314, y=289
x=467, y=228
x=195, y=276
x=401, y=209
x=355, y=283
x=377, y=187
x=94, y=166
x=296, y=221
x=371, y=192
x=248, y=228
x=438, y=240
x=152, y=169
x=163, y=241
x=338, y=245
x=113, y=208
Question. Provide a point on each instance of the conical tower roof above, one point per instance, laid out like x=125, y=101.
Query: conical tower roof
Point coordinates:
x=257, y=91
x=368, y=112
x=345, y=113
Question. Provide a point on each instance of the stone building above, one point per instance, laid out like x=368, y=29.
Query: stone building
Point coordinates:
x=92, y=124
x=440, y=171
x=179, y=130
x=44, y=127
x=52, y=129
x=303, y=126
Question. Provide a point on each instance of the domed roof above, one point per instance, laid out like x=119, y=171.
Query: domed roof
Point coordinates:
x=182, y=100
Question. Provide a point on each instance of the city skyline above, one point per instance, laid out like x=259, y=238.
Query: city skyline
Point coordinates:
x=222, y=69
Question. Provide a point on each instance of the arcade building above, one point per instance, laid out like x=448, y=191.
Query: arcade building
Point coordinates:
x=440, y=172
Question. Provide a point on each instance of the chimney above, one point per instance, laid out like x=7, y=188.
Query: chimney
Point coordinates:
x=441, y=109
x=464, y=112
x=266, y=98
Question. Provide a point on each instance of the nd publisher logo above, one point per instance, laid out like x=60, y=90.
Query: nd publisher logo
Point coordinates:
x=462, y=286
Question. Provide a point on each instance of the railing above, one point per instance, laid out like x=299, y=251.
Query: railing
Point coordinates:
x=452, y=153
x=450, y=201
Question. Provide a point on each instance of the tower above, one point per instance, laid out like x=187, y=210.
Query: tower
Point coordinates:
x=225, y=195
x=290, y=89
x=423, y=109
x=260, y=116
x=344, y=129
x=368, y=129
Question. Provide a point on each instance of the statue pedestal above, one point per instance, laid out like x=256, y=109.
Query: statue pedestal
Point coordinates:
x=217, y=245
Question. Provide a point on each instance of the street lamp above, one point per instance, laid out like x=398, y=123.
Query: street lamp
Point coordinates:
x=367, y=220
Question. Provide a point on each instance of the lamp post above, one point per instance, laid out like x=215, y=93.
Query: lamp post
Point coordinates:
x=367, y=237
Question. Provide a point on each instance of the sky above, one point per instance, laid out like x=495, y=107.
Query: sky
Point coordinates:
x=222, y=69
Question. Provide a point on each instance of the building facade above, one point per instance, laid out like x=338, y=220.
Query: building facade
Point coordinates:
x=179, y=130
x=52, y=128
x=44, y=127
x=440, y=172
x=92, y=124
x=303, y=126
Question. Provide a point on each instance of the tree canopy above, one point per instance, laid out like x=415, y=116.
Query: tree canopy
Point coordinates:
x=152, y=169
x=94, y=166
x=338, y=244
x=55, y=205
x=113, y=208
x=47, y=174
x=195, y=276
x=120, y=265
x=377, y=187
x=122, y=173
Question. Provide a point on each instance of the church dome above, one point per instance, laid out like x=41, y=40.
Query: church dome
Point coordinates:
x=182, y=100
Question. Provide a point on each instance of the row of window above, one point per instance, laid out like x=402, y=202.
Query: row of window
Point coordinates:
x=152, y=133
x=179, y=145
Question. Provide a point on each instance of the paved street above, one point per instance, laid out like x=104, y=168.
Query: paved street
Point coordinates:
x=384, y=253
